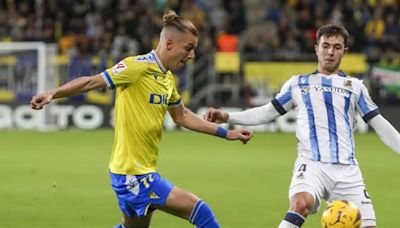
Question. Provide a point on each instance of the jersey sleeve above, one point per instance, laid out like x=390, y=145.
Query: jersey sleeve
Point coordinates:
x=365, y=106
x=121, y=74
x=283, y=100
x=175, y=98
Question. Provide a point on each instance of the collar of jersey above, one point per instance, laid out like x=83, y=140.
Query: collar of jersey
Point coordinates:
x=340, y=73
x=162, y=68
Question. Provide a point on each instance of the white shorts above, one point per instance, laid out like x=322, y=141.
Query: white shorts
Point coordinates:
x=332, y=182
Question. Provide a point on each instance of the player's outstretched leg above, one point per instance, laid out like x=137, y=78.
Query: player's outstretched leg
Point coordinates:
x=188, y=206
x=202, y=216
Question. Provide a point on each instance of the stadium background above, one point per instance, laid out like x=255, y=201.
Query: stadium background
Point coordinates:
x=247, y=49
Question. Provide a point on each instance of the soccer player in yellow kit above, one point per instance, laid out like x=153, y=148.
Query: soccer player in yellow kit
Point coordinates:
x=145, y=91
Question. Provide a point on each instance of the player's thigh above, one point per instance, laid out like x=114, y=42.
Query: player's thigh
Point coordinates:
x=308, y=178
x=179, y=203
x=137, y=222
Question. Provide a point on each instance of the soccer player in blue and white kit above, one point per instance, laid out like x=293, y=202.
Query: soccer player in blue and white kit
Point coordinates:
x=327, y=103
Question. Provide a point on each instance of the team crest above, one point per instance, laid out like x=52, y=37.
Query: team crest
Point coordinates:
x=119, y=67
x=348, y=84
x=305, y=89
x=132, y=184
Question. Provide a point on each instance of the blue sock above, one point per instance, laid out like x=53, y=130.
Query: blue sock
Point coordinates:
x=202, y=216
x=294, y=218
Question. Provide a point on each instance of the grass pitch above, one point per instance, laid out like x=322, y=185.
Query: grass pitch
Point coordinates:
x=60, y=179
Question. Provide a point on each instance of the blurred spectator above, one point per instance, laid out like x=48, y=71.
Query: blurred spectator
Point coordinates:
x=227, y=42
x=218, y=15
x=392, y=32
x=236, y=17
x=375, y=28
x=123, y=45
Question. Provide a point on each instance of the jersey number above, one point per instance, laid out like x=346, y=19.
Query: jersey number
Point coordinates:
x=302, y=168
x=145, y=181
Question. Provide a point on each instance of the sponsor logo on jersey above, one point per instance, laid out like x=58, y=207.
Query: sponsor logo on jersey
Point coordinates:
x=158, y=99
x=119, y=67
x=327, y=89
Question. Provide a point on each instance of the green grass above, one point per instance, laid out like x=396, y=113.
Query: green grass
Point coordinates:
x=60, y=179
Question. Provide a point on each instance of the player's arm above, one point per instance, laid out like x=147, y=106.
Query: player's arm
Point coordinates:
x=249, y=117
x=77, y=86
x=370, y=113
x=386, y=132
x=186, y=118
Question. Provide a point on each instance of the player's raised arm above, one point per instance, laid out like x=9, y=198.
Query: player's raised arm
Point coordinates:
x=386, y=132
x=74, y=87
x=188, y=119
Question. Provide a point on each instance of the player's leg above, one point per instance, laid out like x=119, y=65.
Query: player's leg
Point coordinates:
x=351, y=187
x=300, y=207
x=305, y=190
x=186, y=205
x=133, y=199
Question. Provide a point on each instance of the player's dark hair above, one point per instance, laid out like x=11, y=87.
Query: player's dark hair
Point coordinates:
x=171, y=19
x=330, y=30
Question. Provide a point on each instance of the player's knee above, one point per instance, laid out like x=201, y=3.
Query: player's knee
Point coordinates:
x=301, y=206
x=202, y=216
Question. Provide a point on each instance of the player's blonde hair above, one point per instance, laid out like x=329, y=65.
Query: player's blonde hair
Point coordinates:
x=171, y=19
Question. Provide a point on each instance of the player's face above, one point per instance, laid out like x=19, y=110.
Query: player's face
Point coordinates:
x=330, y=51
x=183, y=50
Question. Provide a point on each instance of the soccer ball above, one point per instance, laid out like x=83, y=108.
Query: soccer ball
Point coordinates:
x=341, y=214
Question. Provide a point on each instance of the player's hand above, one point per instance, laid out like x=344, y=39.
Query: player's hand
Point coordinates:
x=243, y=135
x=216, y=116
x=40, y=100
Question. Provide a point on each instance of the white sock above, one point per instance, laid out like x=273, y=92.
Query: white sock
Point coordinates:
x=286, y=224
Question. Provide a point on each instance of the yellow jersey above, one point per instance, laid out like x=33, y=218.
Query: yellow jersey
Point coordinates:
x=144, y=91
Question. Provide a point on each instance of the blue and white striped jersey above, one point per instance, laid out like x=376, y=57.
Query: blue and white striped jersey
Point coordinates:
x=327, y=107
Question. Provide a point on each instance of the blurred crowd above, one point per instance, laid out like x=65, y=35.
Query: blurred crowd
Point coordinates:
x=260, y=29
x=287, y=29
